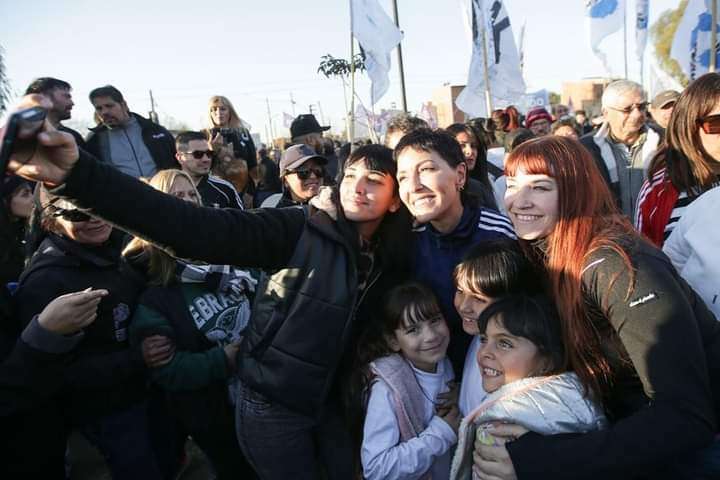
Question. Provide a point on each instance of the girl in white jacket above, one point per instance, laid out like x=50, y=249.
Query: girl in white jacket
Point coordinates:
x=412, y=415
x=521, y=359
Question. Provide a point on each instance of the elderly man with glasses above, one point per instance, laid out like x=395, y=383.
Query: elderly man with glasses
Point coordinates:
x=196, y=158
x=624, y=145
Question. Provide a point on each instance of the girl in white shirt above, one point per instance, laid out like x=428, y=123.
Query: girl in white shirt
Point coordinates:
x=412, y=415
x=489, y=271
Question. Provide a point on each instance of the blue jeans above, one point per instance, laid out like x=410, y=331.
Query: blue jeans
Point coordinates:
x=124, y=440
x=282, y=444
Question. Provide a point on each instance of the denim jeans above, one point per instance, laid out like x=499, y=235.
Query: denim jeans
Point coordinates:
x=282, y=444
x=124, y=440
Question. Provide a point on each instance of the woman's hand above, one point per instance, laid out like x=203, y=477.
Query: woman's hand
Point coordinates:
x=70, y=313
x=157, y=350
x=217, y=142
x=231, y=351
x=46, y=156
x=493, y=462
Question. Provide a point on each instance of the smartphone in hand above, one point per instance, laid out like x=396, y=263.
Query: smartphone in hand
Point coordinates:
x=21, y=127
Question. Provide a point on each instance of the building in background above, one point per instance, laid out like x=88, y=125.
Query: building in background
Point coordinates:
x=584, y=94
x=443, y=99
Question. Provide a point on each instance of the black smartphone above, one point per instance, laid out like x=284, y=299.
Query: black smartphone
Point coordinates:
x=21, y=126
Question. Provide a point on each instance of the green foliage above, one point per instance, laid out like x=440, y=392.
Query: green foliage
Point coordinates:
x=662, y=33
x=339, y=67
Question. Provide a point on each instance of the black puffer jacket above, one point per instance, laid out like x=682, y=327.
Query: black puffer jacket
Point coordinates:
x=307, y=316
x=103, y=375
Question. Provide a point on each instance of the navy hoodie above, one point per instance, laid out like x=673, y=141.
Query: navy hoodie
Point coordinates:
x=437, y=255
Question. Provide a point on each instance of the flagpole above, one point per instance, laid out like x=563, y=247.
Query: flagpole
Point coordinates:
x=625, y=40
x=400, y=59
x=485, y=72
x=351, y=130
x=713, y=38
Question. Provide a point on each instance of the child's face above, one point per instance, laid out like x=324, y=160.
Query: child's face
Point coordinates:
x=424, y=343
x=504, y=358
x=469, y=306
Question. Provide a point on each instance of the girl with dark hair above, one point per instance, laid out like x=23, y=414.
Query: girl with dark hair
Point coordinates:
x=523, y=365
x=688, y=164
x=475, y=153
x=638, y=337
x=432, y=175
x=489, y=271
x=410, y=426
x=328, y=269
x=16, y=204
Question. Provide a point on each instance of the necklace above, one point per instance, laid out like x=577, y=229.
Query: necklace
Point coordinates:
x=420, y=387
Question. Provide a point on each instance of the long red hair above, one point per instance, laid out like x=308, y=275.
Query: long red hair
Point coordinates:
x=588, y=219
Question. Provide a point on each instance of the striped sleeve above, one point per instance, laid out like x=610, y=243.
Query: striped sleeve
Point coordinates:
x=647, y=187
x=496, y=222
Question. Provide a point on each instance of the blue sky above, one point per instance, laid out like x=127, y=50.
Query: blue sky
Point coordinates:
x=251, y=50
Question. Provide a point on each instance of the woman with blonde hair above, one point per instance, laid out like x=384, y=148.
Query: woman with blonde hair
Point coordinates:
x=235, y=155
x=199, y=312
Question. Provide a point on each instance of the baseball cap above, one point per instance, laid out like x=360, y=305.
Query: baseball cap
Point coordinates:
x=304, y=124
x=664, y=97
x=296, y=155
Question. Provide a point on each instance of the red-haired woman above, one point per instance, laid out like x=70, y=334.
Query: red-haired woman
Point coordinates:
x=636, y=334
x=688, y=165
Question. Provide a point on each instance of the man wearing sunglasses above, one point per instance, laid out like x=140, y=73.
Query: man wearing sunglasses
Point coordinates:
x=624, y=145
x=302, y=172
x=196, y=159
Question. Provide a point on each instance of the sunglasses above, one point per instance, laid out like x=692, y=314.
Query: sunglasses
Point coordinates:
x=641, y=107
x=73, y=215
x=198, y=154
x=710, y=124
x=304, y=174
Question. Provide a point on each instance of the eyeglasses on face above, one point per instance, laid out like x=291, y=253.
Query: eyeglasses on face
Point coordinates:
x=710, y=124
x=641, y=107
x=198, y=154
x=73, y=215
x=304, y=173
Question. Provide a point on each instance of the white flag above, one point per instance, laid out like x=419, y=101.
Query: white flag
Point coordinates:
x=287, y=119
x=489, y=19
x=603, y=17
x=377, y=35
x=691, y=46
x=642, y=9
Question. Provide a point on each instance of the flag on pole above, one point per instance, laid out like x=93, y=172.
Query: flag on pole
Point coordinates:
x=377, y=35
x=603, y=17
x=489, y=19
x=287, y=119
x=642, y=9
x=691, y=46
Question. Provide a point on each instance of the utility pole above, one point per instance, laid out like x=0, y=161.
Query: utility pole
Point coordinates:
x=292, y=103
x=400, y=59
x=322, y=117
x=272, y=132
x=153, y=113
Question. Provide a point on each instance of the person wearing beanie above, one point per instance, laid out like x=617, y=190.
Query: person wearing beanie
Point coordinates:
x=538, y=120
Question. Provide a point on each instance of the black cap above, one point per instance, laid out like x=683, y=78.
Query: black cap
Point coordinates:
x=304, y=124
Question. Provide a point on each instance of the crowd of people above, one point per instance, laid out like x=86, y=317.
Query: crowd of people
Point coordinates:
x=514, y=297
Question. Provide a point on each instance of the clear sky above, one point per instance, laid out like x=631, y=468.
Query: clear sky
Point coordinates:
x=259, y=52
